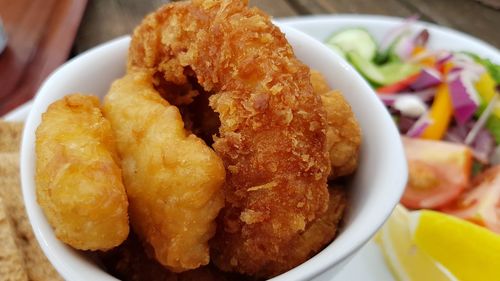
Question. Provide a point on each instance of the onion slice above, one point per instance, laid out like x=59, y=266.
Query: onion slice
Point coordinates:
x=410, y=106
x=464, y=98
x=469, y=64
x=404, y=47
x=422, y=38
x=428, y=77
x=483, y=146
x=418, y=128
x=471, y=136
x=425, y=95
x=388, y=100
x=444, y=57
x=396, y=32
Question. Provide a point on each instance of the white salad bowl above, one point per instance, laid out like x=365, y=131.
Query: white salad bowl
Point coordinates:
x=373, y=191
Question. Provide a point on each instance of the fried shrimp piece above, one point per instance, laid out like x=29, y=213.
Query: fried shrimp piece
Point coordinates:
x=343, y=134
x=132, y=262
x=78, y=178
x=173, y=179
x=315, y=237
x=272, y=134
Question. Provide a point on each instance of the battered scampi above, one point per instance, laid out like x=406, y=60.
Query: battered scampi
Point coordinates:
x=272, y=134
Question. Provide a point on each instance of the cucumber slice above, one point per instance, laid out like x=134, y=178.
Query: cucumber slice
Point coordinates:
x=382, y=75
x=337, y=50
x=366, y=68
x=397, y=71
x=354, y=40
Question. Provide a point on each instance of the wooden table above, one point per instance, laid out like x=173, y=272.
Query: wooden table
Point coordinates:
x=107, y=19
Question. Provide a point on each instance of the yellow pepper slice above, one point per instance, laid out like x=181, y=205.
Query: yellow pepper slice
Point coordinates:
x=429, y=61
x=485, y=87
x=440, y=113
x=418, y=50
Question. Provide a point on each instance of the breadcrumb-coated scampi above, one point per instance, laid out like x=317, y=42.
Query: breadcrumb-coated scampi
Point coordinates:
x=315, y=237
x=343, y=134
x=173, y=179
x=272, y=137
x=78, y=178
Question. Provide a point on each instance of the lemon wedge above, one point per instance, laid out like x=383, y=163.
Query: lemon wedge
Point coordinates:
x=405, y=259
x=468, y=251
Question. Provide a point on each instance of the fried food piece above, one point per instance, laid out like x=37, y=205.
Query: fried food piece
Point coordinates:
x=272, y=136
x=131, y=262
x=78, y=180
x=319, y=83
x=343, y=134
x=316, y=237
x=173, y=179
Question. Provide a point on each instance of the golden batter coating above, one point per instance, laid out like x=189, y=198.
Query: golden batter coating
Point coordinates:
x=343, y=135
x=173, y=179
x=272, y=137
x=78, y=178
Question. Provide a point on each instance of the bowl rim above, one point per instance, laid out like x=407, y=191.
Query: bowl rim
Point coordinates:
x=322, y=261
x=316, y=265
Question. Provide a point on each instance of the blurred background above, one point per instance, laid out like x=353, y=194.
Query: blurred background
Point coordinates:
x=42, y=34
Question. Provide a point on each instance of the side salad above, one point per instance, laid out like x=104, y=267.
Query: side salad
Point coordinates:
x=446, y=105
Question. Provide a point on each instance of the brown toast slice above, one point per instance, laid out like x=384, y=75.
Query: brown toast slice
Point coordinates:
x=11, y=260
x=10, y=136
x=37, y=265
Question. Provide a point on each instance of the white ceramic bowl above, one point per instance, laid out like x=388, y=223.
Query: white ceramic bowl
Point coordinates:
x=374, y=190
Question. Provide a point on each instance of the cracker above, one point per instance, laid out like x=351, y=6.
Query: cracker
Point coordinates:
x=11, y=259
x=10, y=136
x=37, y=265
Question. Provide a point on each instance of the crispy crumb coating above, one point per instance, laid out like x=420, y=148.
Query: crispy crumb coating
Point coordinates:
x=315, y=237
x=272, y=137
x=173, y=179
x=343, y=134
x=78, y=178
x=131, y=262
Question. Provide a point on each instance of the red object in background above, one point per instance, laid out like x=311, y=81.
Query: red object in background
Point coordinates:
x=438, y=172
x=398, y=86
x=40, y=35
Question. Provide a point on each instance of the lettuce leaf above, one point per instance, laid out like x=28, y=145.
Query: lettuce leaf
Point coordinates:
x=493, y=125
x=492, y=68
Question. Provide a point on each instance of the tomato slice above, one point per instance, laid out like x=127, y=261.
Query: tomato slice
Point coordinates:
x=481, y=204
x=438, y=172
x=398, y=86
x=430, y=186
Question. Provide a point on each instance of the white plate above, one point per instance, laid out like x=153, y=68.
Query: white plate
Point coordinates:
x=368, y=264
